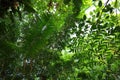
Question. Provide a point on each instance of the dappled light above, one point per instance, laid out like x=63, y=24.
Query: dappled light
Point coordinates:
x=59, y=40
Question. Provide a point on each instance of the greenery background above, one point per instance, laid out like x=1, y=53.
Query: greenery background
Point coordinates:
x=59, y=40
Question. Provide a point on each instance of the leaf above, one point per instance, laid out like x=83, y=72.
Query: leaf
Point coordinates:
x=100, y=3
x=20, y=15
x=111, y=10
x=84, y=17
x=98, y=14
x=66, y=2
x=11, y=16
x=84, y=6
x=28, y=7
x=107, y=17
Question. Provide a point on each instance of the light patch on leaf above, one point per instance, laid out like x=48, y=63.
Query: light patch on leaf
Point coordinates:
x=66, y=54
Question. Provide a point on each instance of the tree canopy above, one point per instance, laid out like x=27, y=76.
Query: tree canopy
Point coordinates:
x=59, y=40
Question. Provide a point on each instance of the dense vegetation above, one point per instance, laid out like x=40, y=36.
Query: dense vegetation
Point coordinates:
x=59, y=40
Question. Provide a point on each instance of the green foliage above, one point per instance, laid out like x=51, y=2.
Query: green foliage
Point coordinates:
x=13, y=7
x=66, y=1
x=60, y=40
x=100, y=3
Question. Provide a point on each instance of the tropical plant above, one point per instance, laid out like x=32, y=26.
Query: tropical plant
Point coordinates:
x=59, y=40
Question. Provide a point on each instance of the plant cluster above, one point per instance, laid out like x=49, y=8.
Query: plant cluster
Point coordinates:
x=59, y=40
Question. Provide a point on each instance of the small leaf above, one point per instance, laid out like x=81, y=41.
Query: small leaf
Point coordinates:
x=19, y=14
x=111, y=10
x=104, y=10
x=98, y=14
x=107, y=17
x=84, y=17
x=11, y=16
x=100, y=3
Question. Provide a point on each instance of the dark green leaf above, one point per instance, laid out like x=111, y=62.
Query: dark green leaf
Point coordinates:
x=84, y=17
x=100, y=3
x=98, y=13
x=29, y=8
x=66, y=2
x=107, y=17
x=111, y=10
